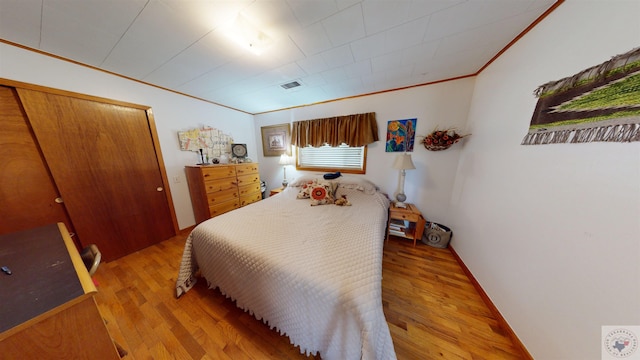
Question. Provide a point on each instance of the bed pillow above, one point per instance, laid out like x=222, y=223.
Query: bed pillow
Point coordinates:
x=304, y=179
x=321, y=194
x=358, y=183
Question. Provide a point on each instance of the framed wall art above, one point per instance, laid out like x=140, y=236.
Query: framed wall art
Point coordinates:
x=401, y=135
x=275, y=139
x=601, y=103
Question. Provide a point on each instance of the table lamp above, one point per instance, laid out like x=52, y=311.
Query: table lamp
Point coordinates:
x=285, y=160
x=403, y=162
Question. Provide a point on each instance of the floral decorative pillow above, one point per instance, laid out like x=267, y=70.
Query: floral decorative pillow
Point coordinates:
x=305, y=190
x=332, y=184
x=321, y=194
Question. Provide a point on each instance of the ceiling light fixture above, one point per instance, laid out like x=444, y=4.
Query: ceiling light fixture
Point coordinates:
x=248, y=36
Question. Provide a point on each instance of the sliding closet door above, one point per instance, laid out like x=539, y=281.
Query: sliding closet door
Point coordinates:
x=27, y=193
x=103, y=160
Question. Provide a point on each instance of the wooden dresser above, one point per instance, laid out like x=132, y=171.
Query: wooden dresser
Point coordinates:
x=217, y=189
x=48, y=310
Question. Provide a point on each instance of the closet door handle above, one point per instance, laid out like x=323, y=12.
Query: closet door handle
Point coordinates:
x=58, y=200
x=159, y=188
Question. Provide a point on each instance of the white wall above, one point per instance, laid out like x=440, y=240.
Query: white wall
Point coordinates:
x=172, y=112
x=428, y=186
x=552, y=232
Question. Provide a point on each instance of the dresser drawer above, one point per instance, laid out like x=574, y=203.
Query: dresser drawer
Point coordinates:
x=249, y=189
x=248, y=199
x=248, y=179
x=221, y=196
x=224, y=207
x=214, y=185
x=246, y=169
x=218, y=172
x=411, y=213
x=217, y=189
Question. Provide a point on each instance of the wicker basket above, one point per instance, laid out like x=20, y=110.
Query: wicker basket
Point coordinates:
x=441, y=140
x=436, y=147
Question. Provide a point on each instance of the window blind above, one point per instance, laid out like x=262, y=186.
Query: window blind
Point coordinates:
x=340, y=157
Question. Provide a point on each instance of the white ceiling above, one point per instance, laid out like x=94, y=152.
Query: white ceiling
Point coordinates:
x=334, y=48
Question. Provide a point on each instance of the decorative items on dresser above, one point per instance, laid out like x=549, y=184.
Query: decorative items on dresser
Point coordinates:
x=217, y=189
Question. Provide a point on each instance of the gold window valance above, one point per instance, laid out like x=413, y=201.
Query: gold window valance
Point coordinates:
x=353, y=130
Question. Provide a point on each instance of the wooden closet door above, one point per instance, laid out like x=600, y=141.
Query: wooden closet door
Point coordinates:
x=27, y=191
x=103, y=160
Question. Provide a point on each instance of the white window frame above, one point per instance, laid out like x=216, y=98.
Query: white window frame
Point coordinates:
x=331, y=159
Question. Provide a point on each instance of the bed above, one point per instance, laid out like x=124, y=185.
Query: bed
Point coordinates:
x=312, y=273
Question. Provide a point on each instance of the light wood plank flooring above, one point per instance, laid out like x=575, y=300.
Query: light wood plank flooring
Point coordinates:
x=432, y=309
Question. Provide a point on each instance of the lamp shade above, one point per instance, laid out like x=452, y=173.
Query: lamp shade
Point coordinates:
x=285, y=160
x=403, y=162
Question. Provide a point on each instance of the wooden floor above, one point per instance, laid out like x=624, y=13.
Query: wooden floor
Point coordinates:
x=432, y=309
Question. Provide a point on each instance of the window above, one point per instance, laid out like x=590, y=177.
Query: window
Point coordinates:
x=327, y=158
x=321, y=144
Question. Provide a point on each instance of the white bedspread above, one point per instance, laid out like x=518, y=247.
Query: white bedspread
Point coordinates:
x=311, y=272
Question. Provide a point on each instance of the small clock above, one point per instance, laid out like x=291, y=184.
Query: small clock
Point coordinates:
x=239, y=150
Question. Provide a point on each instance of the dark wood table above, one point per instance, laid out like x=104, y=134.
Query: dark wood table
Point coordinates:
x=47, y=308
x=43, y=276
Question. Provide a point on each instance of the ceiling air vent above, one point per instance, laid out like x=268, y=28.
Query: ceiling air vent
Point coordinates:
x=290, y=85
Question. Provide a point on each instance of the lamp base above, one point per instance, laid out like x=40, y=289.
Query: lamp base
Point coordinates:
x=400, y=198
x=285, y=183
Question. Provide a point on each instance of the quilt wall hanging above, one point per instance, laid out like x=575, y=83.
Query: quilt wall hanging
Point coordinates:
x=401, y=135
x=601, y=103
x=208, y=142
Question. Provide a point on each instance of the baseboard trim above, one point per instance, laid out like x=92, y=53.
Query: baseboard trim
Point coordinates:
x=491, y=306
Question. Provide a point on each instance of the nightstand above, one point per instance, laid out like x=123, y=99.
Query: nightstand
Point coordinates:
x=276, y=191
x=405, y=222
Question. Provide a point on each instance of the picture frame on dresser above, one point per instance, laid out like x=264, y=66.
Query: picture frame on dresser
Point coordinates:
x=276, y=139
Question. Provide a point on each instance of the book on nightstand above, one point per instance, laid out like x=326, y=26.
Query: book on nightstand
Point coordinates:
x=398, y=227
x=398, y=224
x=397, y=232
